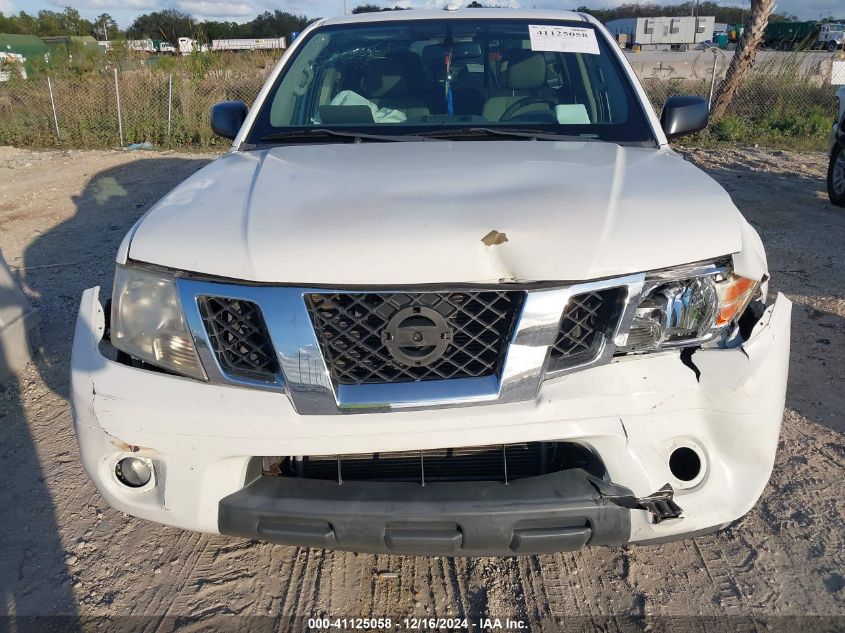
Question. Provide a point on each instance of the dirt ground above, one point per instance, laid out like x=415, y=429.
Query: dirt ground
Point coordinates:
x=64, y=551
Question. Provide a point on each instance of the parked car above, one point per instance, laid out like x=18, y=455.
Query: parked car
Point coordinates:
x=836, y=167
x=450, y=292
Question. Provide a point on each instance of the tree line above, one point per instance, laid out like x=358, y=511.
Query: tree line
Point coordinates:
x=49, y=23
x=730, y=15
x=170, y=24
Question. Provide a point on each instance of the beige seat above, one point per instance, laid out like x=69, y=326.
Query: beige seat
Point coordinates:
x=526, y=76
x=396, y=82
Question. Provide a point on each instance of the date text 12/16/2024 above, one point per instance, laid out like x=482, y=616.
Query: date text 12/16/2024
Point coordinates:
x=416, y=624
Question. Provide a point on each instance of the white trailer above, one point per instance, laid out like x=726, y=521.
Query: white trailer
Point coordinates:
x=260, y=44
x=141, y=46
x=664, y=32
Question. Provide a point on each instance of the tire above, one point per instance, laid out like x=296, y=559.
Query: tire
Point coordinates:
x=836, y=175
x=832, y=46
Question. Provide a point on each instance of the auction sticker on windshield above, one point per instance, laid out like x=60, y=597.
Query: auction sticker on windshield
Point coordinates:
x=563, y=39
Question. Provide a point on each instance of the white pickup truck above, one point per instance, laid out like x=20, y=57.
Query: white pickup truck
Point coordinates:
x=450, y=292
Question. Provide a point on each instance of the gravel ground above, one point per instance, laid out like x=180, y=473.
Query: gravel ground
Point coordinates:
x=64, y=551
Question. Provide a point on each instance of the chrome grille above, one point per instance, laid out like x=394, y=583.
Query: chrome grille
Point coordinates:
x=350, y=329
x=239, y=337
x=587, y=320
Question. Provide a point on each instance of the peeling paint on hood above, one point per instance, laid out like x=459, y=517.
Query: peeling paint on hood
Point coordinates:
x=417, y=213
x=494, y=238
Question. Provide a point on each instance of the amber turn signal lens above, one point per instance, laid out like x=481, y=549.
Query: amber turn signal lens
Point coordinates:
x=735, y=293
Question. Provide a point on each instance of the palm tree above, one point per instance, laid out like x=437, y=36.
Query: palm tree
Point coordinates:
x=743, y=59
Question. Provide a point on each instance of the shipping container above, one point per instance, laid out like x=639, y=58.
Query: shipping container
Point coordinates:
x=791, y=34
x=72, y=43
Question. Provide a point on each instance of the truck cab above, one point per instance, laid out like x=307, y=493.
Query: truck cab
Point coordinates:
x=831, y=36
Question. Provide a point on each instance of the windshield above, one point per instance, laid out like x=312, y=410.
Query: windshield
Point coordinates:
x=424, y=76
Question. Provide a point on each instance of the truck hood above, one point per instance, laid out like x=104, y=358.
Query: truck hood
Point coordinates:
x=419, y=213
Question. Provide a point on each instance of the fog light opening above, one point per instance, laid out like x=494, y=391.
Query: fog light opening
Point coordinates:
x=684, y=463
x=133, y=472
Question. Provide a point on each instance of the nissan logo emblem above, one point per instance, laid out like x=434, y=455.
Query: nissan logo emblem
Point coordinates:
x=417, y=336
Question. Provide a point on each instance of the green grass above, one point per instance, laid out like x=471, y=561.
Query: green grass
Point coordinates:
x=775, y=108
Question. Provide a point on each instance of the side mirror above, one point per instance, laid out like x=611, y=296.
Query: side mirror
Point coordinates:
x=227, y=118
x=684, y=115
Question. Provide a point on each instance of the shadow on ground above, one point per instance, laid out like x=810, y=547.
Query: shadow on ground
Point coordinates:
x=36, y=557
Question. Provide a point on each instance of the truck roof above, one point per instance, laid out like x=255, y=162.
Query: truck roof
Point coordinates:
x=457, y=14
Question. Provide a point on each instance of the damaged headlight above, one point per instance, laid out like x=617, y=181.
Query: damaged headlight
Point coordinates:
x=147, y=322
x=691, y=311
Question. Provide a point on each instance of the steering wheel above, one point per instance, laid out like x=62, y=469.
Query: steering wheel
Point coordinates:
x=524, y=102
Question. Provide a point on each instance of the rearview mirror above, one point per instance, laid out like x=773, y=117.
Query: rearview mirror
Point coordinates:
x=227, y=118
x=684, y=115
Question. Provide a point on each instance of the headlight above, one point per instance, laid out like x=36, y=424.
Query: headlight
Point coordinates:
x=147, y=322
x=684, y=312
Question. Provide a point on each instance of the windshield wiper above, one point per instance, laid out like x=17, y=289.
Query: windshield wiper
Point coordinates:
x=509, y=132
x=311, y=134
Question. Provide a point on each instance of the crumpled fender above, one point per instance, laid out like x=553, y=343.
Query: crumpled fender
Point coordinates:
x=751, y=262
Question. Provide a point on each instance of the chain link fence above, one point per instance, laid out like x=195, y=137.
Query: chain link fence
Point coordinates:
x=786, y=96
x=164, y=109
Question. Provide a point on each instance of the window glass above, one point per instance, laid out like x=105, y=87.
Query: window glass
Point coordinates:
x=408, y=75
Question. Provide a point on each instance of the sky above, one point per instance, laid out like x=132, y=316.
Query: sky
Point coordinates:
x=124, y=11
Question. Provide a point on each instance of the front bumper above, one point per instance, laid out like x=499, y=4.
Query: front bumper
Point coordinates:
x=633, y=413
x=555, y=512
